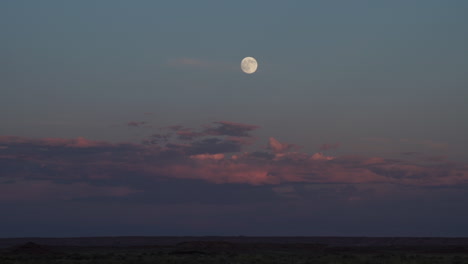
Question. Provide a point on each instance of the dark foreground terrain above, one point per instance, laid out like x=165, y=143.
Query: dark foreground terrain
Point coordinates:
x=233, y=250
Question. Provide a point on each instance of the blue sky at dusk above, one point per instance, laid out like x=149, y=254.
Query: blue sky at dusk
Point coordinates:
x=355, y=122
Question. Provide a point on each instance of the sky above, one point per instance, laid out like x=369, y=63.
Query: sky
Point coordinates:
x=134, y=118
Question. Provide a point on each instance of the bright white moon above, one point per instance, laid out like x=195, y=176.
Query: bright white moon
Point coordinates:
x=249, y=65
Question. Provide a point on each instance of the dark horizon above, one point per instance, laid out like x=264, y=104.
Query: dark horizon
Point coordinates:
x=141, y=241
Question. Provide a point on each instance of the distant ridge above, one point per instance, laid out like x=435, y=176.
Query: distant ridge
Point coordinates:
x=128, y=241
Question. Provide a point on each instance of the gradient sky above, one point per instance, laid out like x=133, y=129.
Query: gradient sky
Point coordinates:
x=134, y=118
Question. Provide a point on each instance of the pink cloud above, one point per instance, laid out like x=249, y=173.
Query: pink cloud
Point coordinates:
x=277, y=146
x=291, y=156
x=224, y=172
x=218, y=156
x=208, y=159
x=320, y=156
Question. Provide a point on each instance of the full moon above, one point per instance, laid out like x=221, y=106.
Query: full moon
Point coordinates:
x=249, y=65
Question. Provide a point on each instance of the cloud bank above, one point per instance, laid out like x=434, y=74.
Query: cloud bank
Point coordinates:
x=214, y=153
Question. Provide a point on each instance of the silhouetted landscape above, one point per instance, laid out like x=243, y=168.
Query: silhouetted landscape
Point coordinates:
x=234, y=250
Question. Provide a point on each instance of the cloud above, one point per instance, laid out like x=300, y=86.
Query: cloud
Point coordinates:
x=218, y=137
x=277, y=146
x=213, y=146
x=217, y=156
x=225, y=128
x=320, y=156
x=229, y=132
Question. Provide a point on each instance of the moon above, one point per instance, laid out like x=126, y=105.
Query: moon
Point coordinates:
x=249, y=65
